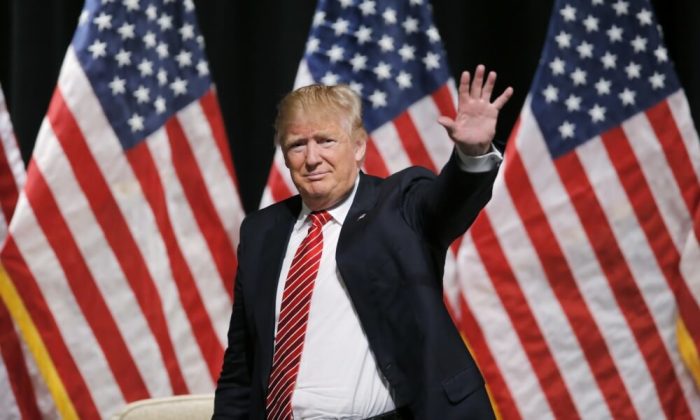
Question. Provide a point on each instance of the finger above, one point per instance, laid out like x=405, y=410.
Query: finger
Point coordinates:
x=478, y=82
x=503, y=99
x=446, y=122
x=488, y=86
x=464, y=87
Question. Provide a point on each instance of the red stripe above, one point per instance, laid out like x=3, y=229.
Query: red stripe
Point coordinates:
x=210, y=106
x=412, y=142
x=562, y=283
x=445, y=103
x=620, y=278
x=524, y=322
x=146, y=172
x=116, y=231
x=47, y=328
x=8, y=187
x=657, y=234
x=278, y=188
x=467, y=324
x=15, y=364
x=84, y=287
x=374, y=164
x=197, y=193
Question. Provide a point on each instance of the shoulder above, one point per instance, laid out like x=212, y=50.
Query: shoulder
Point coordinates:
x=265, y=216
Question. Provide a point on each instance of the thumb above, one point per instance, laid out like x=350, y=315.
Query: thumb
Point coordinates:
x=446, y=122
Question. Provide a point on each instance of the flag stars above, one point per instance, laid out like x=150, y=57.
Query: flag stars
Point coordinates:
x=84, y=17
x=633, y=70
x=378, y=99
x=162, y=50
x=335, y=53
x=142, y=94
x=165, y=22
x=596, y=2
x=609, y=60
x=330, y=79
x=186, y=31
x=312, y=45
x=573, y=103
x=162, y=77
x=149, y=39
x=358, y=62
x=407, y=52
x=357, y=87
x=578, y=76
x=189, y=5
x=179, y=86
x=340, y=26
x=644, y=17
x=123, y=58
x=98, y=49
x=184, y=58
x=151, y=12
x=131, y=5
x=404, y=80
x=389, y=16
x=386, y=43
x=566, y=129
x=145, y=68
x=431, y=61
x=117, y=86
x=319, y=18
x=568, y=13
x=585, y=50
x=591, y=23
x=597, y=113
x=433, y=34
x=602, y=86
x=202, y=68
x=382, y=70
x=627, y=97
x=159, y=104
x=135, y=122
x=345, y=3
x=563, y=39
x=557, y=66
x=661, y=54
x=410, y=25
x=363, y=34
x=368, y=7
x=126, y=31
x=551, y=94
x=639, y=44
x=657, y=80
x=621, y=7
x=103, y=21
x=614, y=33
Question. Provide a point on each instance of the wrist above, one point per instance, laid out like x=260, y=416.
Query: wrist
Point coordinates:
x=474, y=149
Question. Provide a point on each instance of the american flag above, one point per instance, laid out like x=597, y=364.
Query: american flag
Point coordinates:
x=577, y=283
x=122, y=247
x=391, y=54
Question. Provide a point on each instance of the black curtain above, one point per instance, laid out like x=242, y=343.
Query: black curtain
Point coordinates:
x=254, y=48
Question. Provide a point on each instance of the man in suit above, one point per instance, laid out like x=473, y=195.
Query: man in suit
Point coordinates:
x=338, y=309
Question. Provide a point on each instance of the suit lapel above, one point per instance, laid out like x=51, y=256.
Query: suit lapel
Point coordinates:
x=275, y=242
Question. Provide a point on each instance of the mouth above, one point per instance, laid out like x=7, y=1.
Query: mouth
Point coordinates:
x=317, y=176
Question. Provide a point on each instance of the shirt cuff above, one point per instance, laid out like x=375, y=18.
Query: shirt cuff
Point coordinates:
x=481, y=163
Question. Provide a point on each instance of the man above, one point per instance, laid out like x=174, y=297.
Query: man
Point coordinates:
x=338, y=309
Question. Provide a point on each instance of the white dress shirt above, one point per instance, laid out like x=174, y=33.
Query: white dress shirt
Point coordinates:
x=338, y=376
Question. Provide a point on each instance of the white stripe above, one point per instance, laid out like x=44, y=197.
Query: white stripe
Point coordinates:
x=126, y=190
x=680, y=110
x=387, y=141
x=278, y=162
x=546, y=308
x=8, y=403
x=690, y=266
x=101, y=262
x=221, y=188
x=73, y=327
x=43, y=397
x=9, y=144
x=303, y=77
x=499, y=333
x=582, y=261
x=424, y=114
x=190, y=240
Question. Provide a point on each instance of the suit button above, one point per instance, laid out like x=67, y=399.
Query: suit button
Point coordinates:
x=388, y=367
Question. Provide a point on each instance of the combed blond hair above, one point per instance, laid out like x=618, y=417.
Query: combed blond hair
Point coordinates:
x=339, y=99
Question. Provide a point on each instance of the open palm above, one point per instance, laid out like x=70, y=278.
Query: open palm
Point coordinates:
x=474, y=126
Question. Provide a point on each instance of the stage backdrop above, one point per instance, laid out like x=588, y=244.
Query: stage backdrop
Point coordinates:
x=254, y=48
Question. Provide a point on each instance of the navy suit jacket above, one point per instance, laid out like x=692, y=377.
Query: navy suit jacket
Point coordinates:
x=391, y=255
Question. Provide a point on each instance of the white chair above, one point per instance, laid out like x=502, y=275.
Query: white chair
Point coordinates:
x=181, y=407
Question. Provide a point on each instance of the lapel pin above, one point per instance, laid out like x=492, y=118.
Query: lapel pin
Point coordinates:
x=362, y=216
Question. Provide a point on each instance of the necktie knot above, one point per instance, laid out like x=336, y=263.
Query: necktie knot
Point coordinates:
x=319, y=218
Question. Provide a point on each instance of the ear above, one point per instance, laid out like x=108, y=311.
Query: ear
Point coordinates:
x=360, y=147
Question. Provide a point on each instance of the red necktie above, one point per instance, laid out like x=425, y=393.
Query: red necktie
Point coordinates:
x=294, y=313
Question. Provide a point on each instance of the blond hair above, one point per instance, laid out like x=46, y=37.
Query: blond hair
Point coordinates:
x=339, y=99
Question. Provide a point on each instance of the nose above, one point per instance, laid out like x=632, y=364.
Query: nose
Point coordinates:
x=313, y=154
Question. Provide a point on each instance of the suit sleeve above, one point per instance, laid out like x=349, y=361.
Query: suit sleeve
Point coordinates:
x=232, y=397
x=442, y=208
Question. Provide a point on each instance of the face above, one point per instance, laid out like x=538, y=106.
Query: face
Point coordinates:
x=322, y=157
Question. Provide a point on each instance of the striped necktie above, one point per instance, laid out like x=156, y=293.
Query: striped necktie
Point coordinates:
x=294, y=314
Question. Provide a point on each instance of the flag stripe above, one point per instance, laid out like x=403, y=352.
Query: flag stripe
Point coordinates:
x=210, y=107
x=277, y=186
x=146, y=172
x=412, y=143
x=424, y=114
x=200, y=202
x=115, y=229
x=561, y=280
x=621, y=280
x=520, y=314
x=374, y=164
x=8, y=187
x=16, y=367
x=67, y=380
x=445, y=101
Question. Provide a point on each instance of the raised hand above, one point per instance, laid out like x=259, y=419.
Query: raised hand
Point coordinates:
x=474, y=126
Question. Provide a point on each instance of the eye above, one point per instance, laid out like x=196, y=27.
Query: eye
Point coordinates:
x=295, y=146
x=326, y=142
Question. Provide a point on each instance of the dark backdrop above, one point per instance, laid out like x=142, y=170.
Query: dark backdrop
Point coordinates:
x=254, y=48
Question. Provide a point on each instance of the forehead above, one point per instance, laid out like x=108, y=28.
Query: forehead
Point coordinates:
x=308, y=122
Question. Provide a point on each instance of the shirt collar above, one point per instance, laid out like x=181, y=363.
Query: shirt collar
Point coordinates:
x=337, y=212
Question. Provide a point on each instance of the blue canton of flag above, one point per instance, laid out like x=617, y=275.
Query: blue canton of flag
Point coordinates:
x=389, y=52
x=144, y=63
x=601, y=69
